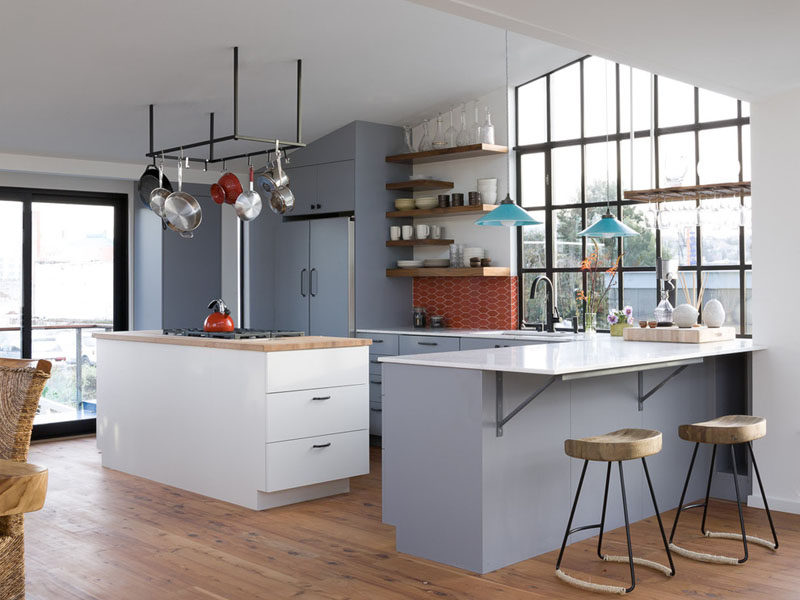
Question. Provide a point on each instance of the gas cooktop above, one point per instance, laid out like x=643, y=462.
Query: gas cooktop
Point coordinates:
x=236, y=334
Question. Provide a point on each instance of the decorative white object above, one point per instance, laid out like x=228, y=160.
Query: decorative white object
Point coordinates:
x=684, y=315
x=713, y=313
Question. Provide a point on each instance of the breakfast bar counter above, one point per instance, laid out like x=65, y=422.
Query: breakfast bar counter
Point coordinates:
x=474, y=470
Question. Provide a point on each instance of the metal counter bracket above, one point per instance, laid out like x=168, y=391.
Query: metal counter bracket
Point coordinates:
x=501, y=420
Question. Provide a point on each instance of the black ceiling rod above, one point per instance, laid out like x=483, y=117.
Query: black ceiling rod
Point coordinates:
x=299, y=99
x=211, y=137
x=151, y=135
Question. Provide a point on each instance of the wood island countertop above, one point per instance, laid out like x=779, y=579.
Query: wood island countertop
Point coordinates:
x=307, y=342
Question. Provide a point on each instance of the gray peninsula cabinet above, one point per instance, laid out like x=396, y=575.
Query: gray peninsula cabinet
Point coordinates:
x=322, y=268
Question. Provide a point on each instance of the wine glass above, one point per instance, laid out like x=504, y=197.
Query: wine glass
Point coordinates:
x=408, y=145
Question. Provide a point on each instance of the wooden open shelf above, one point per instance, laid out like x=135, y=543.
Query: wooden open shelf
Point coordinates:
x=691, y=192
x=419, y=185
x=428, y=242
x=450, y=211
x=448, y=272
x=429, y=156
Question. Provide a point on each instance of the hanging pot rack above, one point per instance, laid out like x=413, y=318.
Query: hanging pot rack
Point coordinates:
x=167, y=153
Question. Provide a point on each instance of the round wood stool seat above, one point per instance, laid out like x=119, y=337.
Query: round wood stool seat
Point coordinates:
x=623, y=444
x=730, y=429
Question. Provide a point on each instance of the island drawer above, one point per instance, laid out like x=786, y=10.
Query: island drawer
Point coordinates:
x=382, y=343
x=420, y=344
x=481, y=343
x=313, y=460
x=306, y=413
x=375, y=418
x=311, y=369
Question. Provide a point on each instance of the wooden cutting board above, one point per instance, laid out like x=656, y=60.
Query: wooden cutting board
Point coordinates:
x=692, y=335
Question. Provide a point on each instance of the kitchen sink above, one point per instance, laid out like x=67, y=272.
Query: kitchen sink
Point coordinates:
x=547, y=336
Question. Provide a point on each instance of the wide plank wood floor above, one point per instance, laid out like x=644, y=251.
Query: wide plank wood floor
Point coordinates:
x=106, y=535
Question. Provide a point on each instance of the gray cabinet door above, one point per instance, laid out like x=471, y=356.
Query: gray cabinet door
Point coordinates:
x=291, y=276
x=303, y=183
x=336, y=187
x=331, y=292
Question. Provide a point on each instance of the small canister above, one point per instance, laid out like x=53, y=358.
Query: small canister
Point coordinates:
x=474, y=198
x=437, y=321
x=457, y=200
x=444, y=200
x=419, y=316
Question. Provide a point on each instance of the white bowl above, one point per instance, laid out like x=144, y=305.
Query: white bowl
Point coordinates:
x=404, y=203
x=426, y=202
x=409, y=264
x=436, y=262
x=414, y=177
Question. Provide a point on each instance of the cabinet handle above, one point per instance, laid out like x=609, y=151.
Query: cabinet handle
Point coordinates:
x=375, y=362
x=321, y=398
x=377, y=341
x=376, y=409
x=428, y=343
x=302, y=281
x=373, y=381
x=321, y=445
x=311, y=289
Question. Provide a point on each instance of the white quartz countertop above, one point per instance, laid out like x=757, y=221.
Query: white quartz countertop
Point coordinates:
x=574, y=356
x=529, y=334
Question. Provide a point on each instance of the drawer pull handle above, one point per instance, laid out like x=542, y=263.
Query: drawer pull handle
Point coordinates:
x=376, y=409
x=374, y=381
x=377, y=341
x=321, y=445
x=428, y=343
x=375, y=362
x=321, y=398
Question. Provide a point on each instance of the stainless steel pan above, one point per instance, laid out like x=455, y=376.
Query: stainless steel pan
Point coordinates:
x=182, y=211
x=281, y=199
x=248, y=204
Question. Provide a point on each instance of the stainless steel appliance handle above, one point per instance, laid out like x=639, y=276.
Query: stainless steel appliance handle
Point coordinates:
x=302, y=281
x=311, y=288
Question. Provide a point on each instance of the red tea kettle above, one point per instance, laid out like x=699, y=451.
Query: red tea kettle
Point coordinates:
x=220, y=319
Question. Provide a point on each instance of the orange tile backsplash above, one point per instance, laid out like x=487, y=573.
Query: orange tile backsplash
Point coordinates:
x=469, y=302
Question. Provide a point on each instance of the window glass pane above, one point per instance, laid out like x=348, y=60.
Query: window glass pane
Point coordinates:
x=599, y=97
x=748, y=298
x=565, y=103
x=639, y=292
x=533, y=243
x=532, y=112
x=641, y=99
x=642, y=179
x=602, y=286
x=724, y=286
x=532, y=167
x=747, y=218
x=533, y=311
x=566, y=243
x=715, y=107
x=719, y=221
x=639, y=251
x=677, y=222
x=567, y=287
x=745, y=109
x=719, y=155
x=601, y=172
x=608, y=248
x=745, y=152
x=566, y=175
x=676, y=159
x=675, y=102
x=10, y=279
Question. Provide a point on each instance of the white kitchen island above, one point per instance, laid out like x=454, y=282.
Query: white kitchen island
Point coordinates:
x=260, y=423
x=470, y=481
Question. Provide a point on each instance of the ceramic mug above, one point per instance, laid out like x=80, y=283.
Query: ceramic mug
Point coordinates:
x=423, y=231
x=437, y=231
x=408, y=232
x=394, y=232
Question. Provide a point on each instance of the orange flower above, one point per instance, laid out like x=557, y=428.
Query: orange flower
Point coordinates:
x=580, y=296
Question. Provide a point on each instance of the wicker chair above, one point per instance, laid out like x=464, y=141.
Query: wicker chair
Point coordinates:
x=22, y=486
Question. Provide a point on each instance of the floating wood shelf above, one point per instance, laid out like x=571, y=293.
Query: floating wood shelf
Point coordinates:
x=450, y=211
x=429, y=156
x=428, y=242
x=691, y=192
x=418, y=185
x=448, y=272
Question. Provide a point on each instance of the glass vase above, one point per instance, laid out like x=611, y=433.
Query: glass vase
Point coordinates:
x=425, y=141
x=462, y=138
x=487, y=129
x=438, y=137
x=475, y=128
x=408, y=146
x=590, y=324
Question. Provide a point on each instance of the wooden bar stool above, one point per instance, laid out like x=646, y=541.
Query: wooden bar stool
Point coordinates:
x=617, y=446
x=730, y=430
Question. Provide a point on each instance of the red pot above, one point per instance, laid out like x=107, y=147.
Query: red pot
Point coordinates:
x=232, y=186
x=217, y=193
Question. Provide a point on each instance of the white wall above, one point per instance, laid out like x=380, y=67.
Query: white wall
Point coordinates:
x=499, y=242
x=776, y=290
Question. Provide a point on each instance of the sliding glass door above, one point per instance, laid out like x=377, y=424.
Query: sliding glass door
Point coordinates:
x=63, y=276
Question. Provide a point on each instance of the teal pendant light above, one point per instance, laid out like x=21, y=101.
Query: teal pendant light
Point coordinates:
x=507, y=213
x=608, y=226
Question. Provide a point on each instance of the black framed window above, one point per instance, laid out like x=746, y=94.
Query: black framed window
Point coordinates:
x=63, y=276
x=574, y=151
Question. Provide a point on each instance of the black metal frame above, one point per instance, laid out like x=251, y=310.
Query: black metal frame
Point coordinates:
x=617, y=136
x=29, y=196
x=704, y=504
x=601, y=525
x=235, y=136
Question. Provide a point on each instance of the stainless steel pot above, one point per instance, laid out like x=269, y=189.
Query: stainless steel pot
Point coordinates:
x=268, y=179
x=159, y=195
x=182, y=211
x=281, y=199
x=248, y=204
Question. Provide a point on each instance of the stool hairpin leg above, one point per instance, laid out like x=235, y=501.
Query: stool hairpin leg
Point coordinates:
x=658, y=518
x=627, y=528
x=763, y=495
x=739, y=504
x=571, y=515
x=603, y=516
x=683, y=493
x=708, y=489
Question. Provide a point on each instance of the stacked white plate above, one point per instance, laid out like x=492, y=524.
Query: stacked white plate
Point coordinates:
x=473, y=252
x=409, y=264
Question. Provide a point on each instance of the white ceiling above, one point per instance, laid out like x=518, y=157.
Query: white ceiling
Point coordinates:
x=78, y=76
x=739, y=47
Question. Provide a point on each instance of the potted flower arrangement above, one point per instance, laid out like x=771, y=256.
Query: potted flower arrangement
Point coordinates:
x=620, y=319
x=598, y=286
